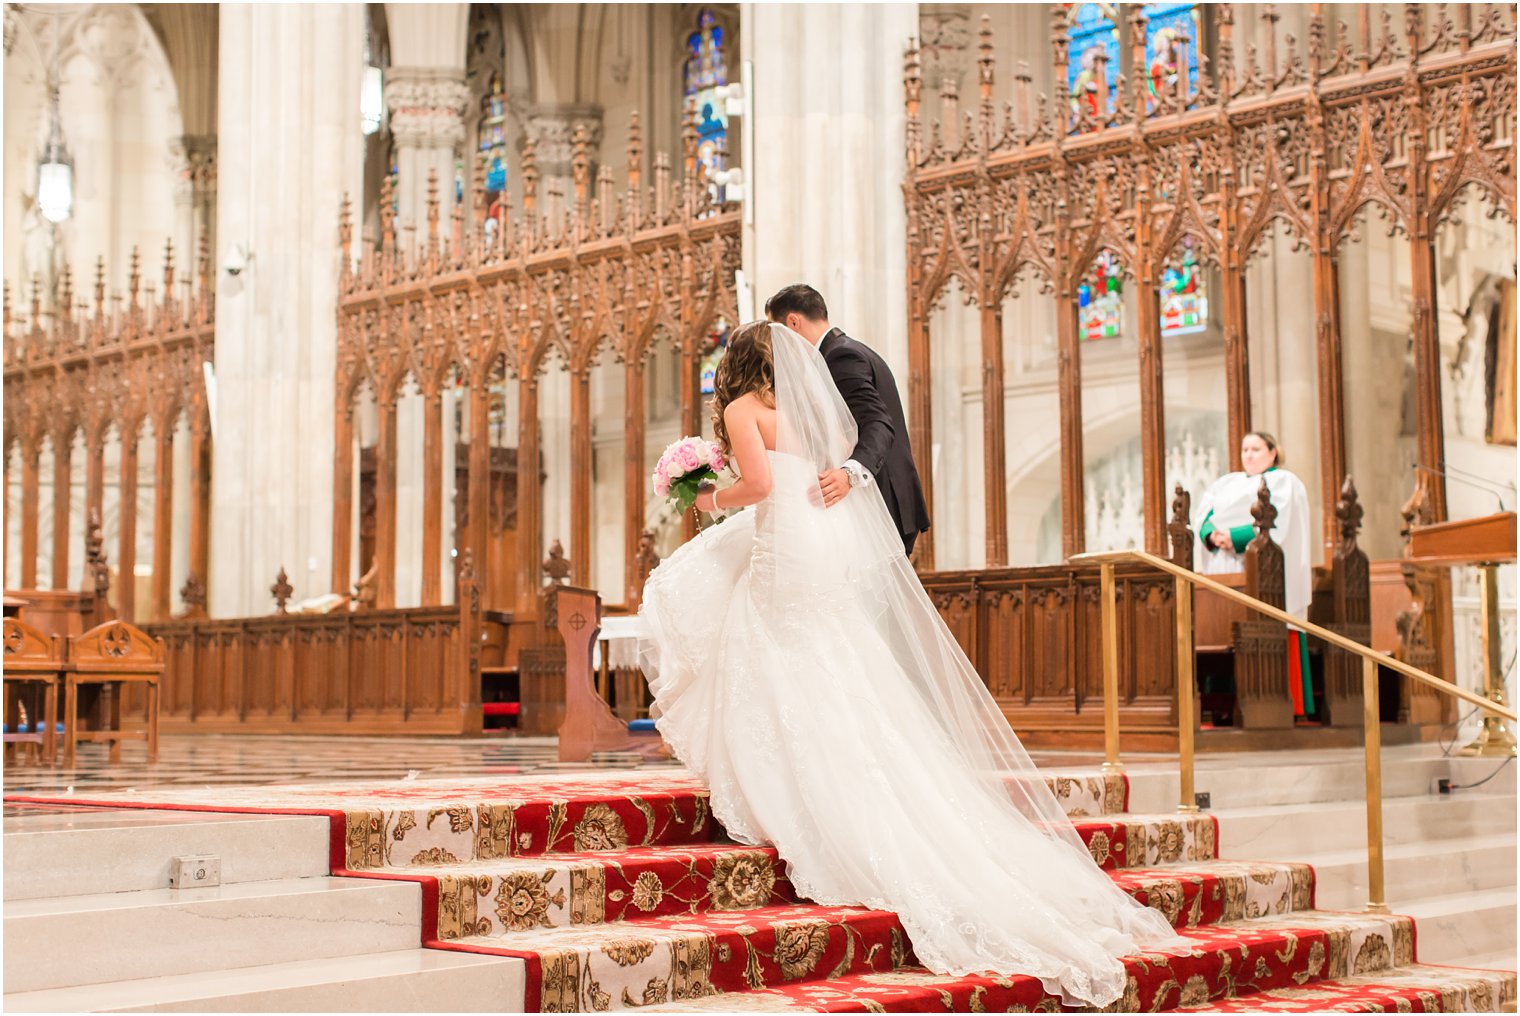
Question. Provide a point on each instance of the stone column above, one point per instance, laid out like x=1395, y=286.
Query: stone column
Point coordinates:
x=289, y=149
x=838, y=224
x=552, y=128
x=195, y=195
x=427, y=106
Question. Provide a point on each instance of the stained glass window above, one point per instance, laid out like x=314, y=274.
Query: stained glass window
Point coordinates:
x=1100, y=299
x=706, y=68
x=1166, y=27
x=1093, y=34
x=491, y=150
x=1184, y=297
x=719, y=338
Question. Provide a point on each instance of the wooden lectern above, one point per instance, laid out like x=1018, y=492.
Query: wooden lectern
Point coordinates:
x=589, y=725
x=1486, y=542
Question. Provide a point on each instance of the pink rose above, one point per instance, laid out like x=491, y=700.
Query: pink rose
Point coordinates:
x=689, y=458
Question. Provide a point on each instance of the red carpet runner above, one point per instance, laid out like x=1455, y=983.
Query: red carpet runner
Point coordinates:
x=620, y=891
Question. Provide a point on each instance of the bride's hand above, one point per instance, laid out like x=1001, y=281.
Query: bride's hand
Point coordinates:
x=705, y=500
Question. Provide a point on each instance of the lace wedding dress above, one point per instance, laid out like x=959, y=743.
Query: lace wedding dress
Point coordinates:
x=799, y=668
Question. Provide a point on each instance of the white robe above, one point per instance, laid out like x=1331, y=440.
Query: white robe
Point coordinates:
x=1230, y=499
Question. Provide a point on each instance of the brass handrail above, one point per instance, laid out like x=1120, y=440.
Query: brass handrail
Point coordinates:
x=1371, y=660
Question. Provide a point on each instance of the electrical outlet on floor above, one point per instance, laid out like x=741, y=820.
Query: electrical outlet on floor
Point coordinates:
x=195, y=871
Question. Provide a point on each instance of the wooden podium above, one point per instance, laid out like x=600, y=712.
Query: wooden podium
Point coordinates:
x=1486, y=542
x=589, y=725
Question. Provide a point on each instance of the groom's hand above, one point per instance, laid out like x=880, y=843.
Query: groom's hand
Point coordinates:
x=834, y=485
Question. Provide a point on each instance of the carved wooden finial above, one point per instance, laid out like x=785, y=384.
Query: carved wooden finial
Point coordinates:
x=1348, y=514
x=478, y=197
x=281, y=591
x=1415, y=512
x=530, y=176
x=134, y=278
x=388, y=212
x=689, y=142
x=556, y=565
x=1179, y=529
x=635, y=151
x=203, y=262
x=467, y=567
x=36, y=300
x=345, y=232
x=7, y=328
x=100, y=285
x=984, y=59
x=580, y=170
x=168, y=269
x=647, y=557
x=94, y=554
x=66, y=292
x=193, y=593
x=1263, y=510
x=432, y=206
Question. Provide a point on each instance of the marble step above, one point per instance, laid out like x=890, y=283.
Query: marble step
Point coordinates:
x=1464, y=924
x=1289, y=781
x=1413, y=871
x=411, y=980
x=1294, y=831
x=66, y=941
x=1271, y=954
x=120, y=850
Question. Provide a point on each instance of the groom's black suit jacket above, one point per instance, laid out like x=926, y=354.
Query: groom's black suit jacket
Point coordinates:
x=866, y=382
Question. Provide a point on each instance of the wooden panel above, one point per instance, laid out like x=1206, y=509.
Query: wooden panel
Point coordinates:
x=1466, y=541
x=373, y=672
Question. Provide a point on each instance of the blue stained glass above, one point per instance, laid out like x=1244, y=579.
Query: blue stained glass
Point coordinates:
x=1165, y=25
x=1092, y=33
x=706, y=69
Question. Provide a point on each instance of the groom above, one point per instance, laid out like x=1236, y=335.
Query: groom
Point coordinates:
x=864, y=379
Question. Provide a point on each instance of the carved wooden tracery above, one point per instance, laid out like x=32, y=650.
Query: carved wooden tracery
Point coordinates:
x=1407, y=120
x=616, y=273
x=91, y=371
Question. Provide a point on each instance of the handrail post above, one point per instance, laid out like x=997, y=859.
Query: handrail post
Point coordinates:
x=1372, y=737
x=1110, y=608
x=1187, y=801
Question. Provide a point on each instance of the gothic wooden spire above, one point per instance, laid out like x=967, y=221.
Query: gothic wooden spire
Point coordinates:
x=530, y=178
x=345, y=233
x=135, y=277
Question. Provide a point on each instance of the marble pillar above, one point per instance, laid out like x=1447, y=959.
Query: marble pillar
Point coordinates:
x=552, y=128
x=828, y=162
x=195, y=195
x=427, y=106
x=289, y=149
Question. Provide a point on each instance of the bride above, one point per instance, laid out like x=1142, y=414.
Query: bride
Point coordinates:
x=799, y=668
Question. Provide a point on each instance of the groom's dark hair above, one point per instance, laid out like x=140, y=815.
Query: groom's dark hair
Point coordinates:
x=798, y=298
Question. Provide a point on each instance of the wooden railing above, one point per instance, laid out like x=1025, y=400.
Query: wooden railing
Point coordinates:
x=366, y=672
x=1185, y=582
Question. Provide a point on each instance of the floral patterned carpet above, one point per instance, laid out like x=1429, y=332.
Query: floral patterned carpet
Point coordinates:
x=619, y=890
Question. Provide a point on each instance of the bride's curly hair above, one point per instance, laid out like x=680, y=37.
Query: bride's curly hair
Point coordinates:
x=746, y=367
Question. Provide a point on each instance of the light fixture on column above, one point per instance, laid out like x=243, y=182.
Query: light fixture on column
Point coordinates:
x=730, y=183
x=55, y=170
x=372, y=100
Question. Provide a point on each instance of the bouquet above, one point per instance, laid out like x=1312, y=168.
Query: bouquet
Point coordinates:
x=684, y=467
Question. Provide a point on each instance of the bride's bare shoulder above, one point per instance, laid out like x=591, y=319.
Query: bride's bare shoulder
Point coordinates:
x=748, y=406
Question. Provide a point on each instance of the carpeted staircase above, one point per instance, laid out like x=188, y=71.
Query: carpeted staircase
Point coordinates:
x=622, y=892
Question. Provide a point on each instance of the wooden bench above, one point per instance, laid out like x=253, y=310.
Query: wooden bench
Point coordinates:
x=34, y=664
x=111, y=656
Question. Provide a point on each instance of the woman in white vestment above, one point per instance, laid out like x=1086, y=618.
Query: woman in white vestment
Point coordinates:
x=799, y=669
x=1226, y=526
